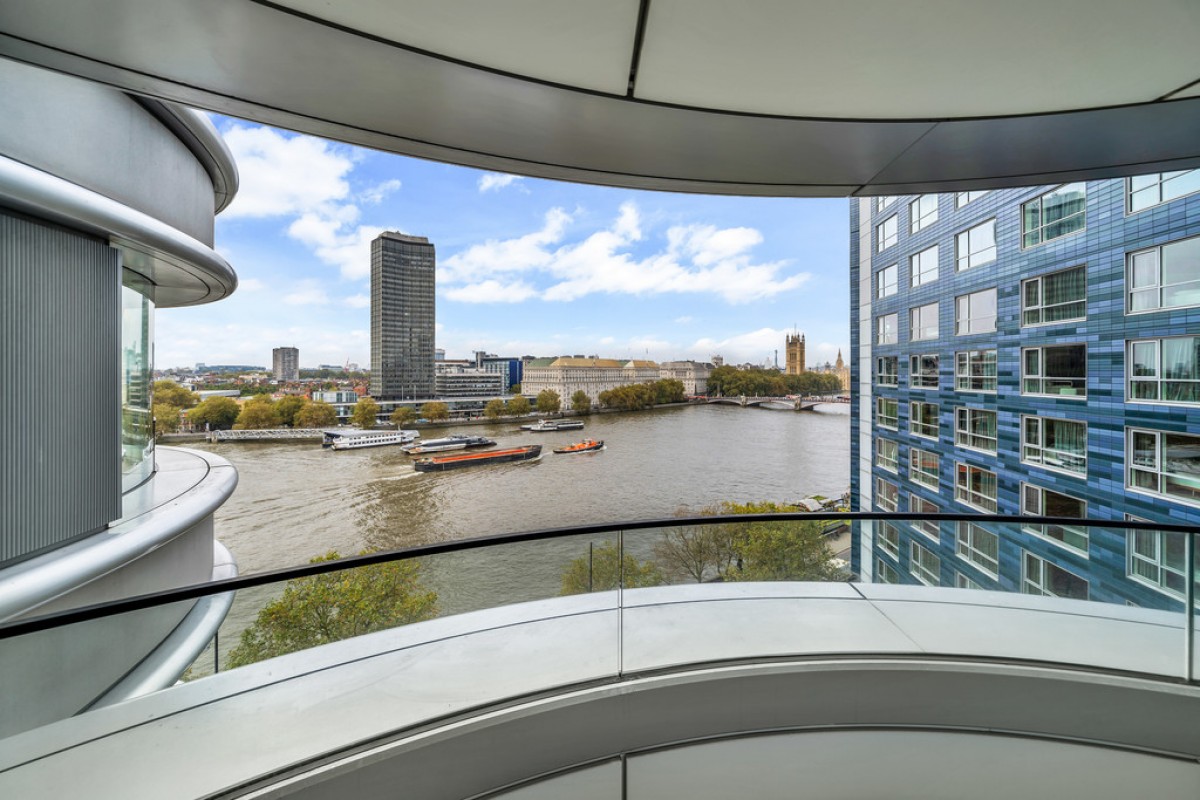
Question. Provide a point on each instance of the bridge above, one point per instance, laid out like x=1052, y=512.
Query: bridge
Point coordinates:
x=269, y=434
x=780, y=403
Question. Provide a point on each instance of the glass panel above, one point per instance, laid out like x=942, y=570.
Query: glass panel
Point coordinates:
x=137, y=377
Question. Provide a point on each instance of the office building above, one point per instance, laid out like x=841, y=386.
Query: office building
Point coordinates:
x=795, y=354
x=1030, y=352
x=692, y=374
x=402, y=317
x=285, y=363
x=467, y=382
x=569, y=374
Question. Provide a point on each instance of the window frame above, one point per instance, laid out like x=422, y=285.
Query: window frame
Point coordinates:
x=918, y=378
x=1042, y=307
x=919, y=220
x=880, y=328
x=964, y=437
x=917, y=474
x=1042, y=211
x=959, y=321
x=881, y=285
x=970, y=255
x=880, y=417
x=884, y=200
x=1157, y=287
x=920, y=570
x=1041, y=584
x=1131, y=467
x=926, y=507
x=963, y=492
x=889, y=539
x=882, y=460
x=913, y=425
x=882, y=240
x=1042, y=377
x=967, y=549
x=1158, y=562
x=916, y=260
x=1130, y=191
x=1042, y=532
x=964, y=581
x=918, y=330
x=1158, y=379
x=1042, y=449
x=960, y=202
x=894, y=503
x=880, y=375
x=885, y=572
x=959, y=377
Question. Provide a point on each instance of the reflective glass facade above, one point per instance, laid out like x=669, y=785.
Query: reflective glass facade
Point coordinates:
x=137, y=379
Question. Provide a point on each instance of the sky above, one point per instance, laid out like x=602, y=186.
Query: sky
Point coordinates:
x=524, y=266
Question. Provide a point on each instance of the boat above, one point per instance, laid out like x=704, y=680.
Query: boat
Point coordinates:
x=548, y=425
x=456, y=442
x=355, y=438
x=458, y=460
x=586, y=446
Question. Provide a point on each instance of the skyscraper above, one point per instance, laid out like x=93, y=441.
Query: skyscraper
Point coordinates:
x=285, y=363
x=402, y=317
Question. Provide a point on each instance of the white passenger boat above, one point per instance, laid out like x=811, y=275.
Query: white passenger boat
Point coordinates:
x=355, y=438
x=548, y=425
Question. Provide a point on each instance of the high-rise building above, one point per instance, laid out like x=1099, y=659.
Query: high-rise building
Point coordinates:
x=795, y=354
x=285, y=363
x=402, y=317
x=1029, y=351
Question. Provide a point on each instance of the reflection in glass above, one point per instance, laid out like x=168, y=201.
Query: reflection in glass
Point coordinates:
x=137, y=375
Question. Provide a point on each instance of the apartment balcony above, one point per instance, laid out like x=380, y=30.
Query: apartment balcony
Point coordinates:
x=691, y=668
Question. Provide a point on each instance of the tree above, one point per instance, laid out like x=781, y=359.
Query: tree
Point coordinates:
x=170, y=393
x=518, y=406
x=668, y=390
x=601, y=569
x=315, y=415
x=334, y=606
x=780, y=551
x=166, y=418
x=287, y=408
x=548, y=401
x=365, y=414
x=218, y=413
x=403, y=415
x=257, y=414
x=580, y=402
x=494, y=409
x=514, y=389
x=696, y=553
x=435, y=410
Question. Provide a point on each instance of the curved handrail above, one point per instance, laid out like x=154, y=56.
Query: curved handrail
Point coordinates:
x=195, y=591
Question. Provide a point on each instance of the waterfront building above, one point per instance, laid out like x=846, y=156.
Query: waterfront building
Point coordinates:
x=285, y=363
x=465, y=381
x=692, y=374
x=1030, y=351
x=403, y=316
x=569, y=374
x=795, y=354
x=341, y=396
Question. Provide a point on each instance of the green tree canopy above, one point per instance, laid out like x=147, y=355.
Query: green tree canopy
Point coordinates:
x=166, y=418
x=403, y=415
x=548, y=401
x=257, y=414
x=580, y=402
x=218, y=413
x=518, y=406
x=334, y=606
x=435, y=411
x=170, y=393
x=315, y=415
x=365, y=414
x=494, y=409
x=287, y=408
x=668, y=390
x=514, y=388
x=601, y=570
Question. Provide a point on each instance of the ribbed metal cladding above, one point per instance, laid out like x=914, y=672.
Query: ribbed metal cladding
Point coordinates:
x=60, y=468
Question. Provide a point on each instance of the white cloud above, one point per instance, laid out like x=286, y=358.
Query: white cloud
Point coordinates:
x=250, y=285
x=377, y=193
x=511, y=255
x=494, y=181
x=755, y=346
x=492, y=291
x=684, y=320
x=282, y=174
x=357, y=301
x=306, y=293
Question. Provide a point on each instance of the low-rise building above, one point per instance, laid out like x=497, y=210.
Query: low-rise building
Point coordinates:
x=692, y=374
x=569, y=374
x=459, y=380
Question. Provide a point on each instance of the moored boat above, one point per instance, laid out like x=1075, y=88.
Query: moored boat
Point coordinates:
x=458, y=460
x=356, y=438
x=455, y=442
x=548, y=425
x=586, y=446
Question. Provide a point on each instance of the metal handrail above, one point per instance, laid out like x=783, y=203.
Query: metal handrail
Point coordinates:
x=195, y=591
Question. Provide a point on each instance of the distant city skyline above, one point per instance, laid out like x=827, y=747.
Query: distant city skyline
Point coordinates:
x=525, y=266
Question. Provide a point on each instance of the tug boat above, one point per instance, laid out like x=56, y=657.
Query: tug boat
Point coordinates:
x=586, y=446
x=547, y=426
x=456, y=442
x=441, y=463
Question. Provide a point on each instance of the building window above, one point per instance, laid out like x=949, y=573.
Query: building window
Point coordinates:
x=975, y=487
x=1164, y=370
x=1165, y=464
x=962, y=198
x=919, y=505
x=883, y=202
x=1039, y=502
x=887, y=455
x=884, y=573
x=975, y=246
x=975, y=312
x=922, y=467
x=887, y=329
x=1054, y=443
x=887, y=412
x=923, y=419
x=1054, y=298
x=981, y=547
x=1041, y=577
x=923, y=564
x=1145, y=191
x=887, y=371
x=886, y=281
x=923, y=371
x=923, y=212
x=923, y=267
x=887, y=495
x=1055, y=370
x=924, y=323
x=889, y=539
x=963, y=582
x=1054, y=214
x=885, y=233
x=975, y=428
x=1158, y=558
x=975, y=371
x=1164, y=277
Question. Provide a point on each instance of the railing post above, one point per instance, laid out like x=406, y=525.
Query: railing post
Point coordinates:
x=1189, y=633
x=620, y=604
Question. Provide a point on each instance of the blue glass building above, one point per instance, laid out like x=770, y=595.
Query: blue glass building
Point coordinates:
x=1029, y=351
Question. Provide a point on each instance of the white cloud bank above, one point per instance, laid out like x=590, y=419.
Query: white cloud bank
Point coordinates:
x=495, y=181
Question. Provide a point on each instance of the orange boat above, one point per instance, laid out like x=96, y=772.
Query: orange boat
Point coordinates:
x=586, y=446
x=439, y=463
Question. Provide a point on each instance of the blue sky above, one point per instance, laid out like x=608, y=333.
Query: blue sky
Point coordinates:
x=525, y=266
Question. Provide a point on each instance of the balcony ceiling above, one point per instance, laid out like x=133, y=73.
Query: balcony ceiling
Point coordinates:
x=773, y=97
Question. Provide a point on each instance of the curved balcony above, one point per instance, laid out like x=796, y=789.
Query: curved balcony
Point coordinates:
x=685, y=657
